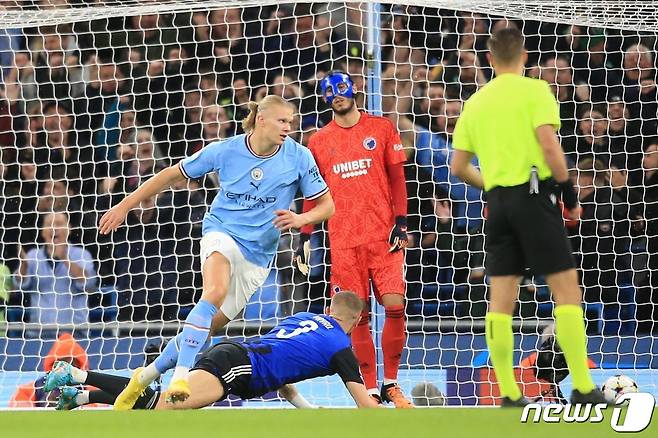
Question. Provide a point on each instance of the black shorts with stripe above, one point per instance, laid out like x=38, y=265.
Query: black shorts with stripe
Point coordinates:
x=525, y=231
x=230, y=363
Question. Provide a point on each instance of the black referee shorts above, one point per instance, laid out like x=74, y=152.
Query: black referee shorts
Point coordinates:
x=525, y=231
x=231, y=365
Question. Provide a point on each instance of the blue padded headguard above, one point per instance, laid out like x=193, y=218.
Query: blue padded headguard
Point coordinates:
x=332, y=81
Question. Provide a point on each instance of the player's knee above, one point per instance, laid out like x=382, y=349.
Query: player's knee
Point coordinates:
x=214, y=294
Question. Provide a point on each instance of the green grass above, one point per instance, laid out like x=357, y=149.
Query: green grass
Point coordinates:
x=289, y=423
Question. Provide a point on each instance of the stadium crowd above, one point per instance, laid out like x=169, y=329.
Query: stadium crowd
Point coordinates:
x=90, y=110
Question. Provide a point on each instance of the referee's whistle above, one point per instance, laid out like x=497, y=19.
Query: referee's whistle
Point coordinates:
x=534, y=181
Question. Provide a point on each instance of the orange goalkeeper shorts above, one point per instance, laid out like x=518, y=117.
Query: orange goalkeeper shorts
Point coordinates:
x=353, y=269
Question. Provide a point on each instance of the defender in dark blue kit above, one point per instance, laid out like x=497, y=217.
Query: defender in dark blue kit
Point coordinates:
x=303, y=346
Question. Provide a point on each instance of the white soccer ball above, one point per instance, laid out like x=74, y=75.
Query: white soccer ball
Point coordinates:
x=617, y=385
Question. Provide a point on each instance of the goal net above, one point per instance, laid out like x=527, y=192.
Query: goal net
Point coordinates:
x=98, y=96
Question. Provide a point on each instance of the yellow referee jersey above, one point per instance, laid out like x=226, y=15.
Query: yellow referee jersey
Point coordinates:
x=498, y=125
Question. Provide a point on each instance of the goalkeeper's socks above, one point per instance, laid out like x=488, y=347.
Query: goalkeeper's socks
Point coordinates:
x=393, y=338
x=570, y=336
x=500, y=341
x=364, y=349
x=194, y=334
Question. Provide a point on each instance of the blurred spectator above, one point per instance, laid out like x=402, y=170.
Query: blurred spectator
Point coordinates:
x=602, y=239
x=625, y=136
x=18, y=212
x=151, y=36
x=5, y=288
x=591, y=63
x=137, y=163
x=557, y=72
x=464, y=75
x=57, y=71
x=128, y=127
x=185, y=123
x=159, y=94
x=57, y=275
x=146, y=265
x=312, y=44
x=396, y=41
x=104, y=96
x=11, y=41
x=430, y=106
x=592, y=139
x=458, y=218
x=647, y=299
x=24, y=203
x=9, y=218
x=233, y=54
x=238, y=103
x=23, y=75
x=309, y=125
x=216, y=124
x=638, y=82
x=189, y=205
x=32, y=395
x=60, y=146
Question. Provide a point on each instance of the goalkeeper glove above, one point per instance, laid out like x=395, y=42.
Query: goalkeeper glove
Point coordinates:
x=303, y=253
x=398, y=237
x=569, y=196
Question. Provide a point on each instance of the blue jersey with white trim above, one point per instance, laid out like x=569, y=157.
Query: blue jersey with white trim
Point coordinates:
x=303, y=346
x=251, y=188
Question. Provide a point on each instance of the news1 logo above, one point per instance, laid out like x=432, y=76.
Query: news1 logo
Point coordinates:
x=638, y=412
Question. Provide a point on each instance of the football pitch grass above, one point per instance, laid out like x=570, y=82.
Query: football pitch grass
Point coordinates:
x=289, y=423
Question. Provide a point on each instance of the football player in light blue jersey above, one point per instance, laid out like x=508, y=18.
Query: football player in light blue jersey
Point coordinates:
x=260, y=172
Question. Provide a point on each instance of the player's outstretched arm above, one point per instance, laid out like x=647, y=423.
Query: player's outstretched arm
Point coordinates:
x=461, y=167
x=324, y=208
x=117, y=214
x=290, y=393
x=360, y=395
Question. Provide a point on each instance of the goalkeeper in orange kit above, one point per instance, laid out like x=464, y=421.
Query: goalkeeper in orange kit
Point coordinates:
x=360, y=157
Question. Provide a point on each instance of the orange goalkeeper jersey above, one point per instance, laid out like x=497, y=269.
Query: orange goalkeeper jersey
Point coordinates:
x=353, y=163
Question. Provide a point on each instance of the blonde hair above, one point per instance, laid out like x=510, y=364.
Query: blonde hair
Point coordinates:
x=249, y=122
x=347, y=304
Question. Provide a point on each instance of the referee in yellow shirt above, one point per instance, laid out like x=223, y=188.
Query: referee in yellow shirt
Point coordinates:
x=510, y=124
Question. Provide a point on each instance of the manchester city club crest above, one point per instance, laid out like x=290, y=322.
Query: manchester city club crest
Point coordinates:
x=257, y=173
x=370, y=143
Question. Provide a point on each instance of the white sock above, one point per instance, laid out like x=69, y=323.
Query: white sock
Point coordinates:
x=149, y=374
x=82, y=398
x=390, y=381
x=78, y=375
x=180, y=373
x=300, y=402
x=373, y=391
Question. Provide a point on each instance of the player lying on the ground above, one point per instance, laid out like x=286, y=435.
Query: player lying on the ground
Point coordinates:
x=302, y=347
